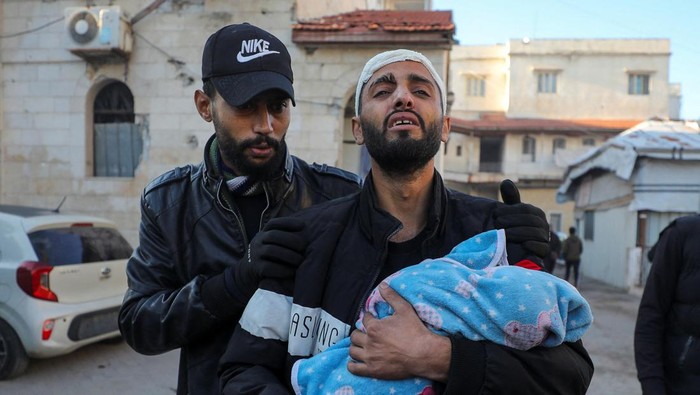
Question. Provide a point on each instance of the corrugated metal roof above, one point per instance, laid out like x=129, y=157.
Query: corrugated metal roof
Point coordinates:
x=670, y=140
x=661, y=136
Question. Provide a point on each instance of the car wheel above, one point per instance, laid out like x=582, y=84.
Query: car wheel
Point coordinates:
x=13, y=357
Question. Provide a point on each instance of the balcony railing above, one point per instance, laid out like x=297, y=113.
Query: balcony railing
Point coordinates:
x=491, y=167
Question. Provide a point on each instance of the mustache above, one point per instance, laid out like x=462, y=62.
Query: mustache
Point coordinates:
x=260, y=140
x=420, y=119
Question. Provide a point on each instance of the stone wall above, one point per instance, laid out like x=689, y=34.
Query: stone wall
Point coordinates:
x=47, y=93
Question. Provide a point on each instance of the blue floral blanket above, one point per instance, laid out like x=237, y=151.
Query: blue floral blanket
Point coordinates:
x=472, y=291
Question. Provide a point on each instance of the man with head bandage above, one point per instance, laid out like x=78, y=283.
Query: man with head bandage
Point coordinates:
x=403, y=215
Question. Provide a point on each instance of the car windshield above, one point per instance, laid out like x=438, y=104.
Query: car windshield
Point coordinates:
x=79, y=244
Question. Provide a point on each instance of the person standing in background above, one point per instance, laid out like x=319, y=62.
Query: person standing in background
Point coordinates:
x=550, y=261
x=667, y=333
x=572, y=248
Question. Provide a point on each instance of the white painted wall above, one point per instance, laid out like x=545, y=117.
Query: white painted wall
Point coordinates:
x=489, y=62
x=592, y=78
x=605, y=258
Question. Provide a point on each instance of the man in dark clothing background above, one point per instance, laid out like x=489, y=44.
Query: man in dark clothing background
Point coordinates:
x=190, y=277
x=550, y=261
x=667, y=333
x=571, y=250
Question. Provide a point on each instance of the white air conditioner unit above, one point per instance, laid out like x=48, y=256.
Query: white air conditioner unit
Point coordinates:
x=99, y=34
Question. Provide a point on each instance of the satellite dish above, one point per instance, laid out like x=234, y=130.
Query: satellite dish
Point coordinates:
x=83, y=27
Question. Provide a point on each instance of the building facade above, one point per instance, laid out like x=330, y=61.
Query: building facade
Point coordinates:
x=526, y=109
x=627, y=190
x=97, y=101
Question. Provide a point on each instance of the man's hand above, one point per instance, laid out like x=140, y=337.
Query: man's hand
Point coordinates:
x=275, y=252
x=398, y=346
x=527, y=231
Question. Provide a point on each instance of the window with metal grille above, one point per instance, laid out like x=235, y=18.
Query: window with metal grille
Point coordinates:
x=117, y=140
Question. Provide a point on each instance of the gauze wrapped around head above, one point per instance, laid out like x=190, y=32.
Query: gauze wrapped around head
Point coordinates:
x=397, y=55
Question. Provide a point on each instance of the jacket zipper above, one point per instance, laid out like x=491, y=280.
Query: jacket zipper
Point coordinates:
x=686, y=348
x=229, y=207
x=369, y=289
x=267, y=206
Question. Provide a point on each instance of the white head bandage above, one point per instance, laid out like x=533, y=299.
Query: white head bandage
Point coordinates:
x=398, y=55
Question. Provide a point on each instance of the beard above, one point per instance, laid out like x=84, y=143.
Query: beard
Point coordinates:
x=404, y=155
x=233, y=153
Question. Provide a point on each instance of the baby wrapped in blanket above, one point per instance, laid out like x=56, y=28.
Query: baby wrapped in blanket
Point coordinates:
x=473, y=292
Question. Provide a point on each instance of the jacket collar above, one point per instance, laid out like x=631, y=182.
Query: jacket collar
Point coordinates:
x=274, y=189
x=378, y=225
x=211, y=170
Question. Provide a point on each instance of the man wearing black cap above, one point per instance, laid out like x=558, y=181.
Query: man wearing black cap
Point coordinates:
x=199, y=259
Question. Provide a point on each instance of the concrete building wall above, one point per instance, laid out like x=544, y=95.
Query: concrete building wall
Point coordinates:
x=48, y=93
x=592, y=83
x=606, y=257
x=548, y=163
x=592, y=78
x=478, y=62
x=461, y=154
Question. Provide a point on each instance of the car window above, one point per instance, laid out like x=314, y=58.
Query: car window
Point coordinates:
x=79, y=244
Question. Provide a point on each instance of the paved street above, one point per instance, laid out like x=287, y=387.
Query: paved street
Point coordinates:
x=113, y=369
x=610, y=340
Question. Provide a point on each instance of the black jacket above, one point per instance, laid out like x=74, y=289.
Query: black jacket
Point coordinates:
x=188, y=235
x=667, y=334
x=349, y=239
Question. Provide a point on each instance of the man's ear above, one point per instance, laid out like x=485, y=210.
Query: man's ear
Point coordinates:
x=357, y=131
x=203, y=104
x=446, y=124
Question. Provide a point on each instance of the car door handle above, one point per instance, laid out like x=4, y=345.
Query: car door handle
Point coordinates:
x=105, y=272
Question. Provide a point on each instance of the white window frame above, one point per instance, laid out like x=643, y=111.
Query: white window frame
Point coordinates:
x=638, y=83
x=558, y=143
x=529, y=149
x=588, y=142
x=476, y=85
x=547, y=81
x=556, y=220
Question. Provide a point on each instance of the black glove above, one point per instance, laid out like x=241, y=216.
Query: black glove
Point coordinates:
x=274, y=252
x=526, y=227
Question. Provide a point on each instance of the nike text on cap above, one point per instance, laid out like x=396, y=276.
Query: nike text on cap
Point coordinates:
x=243, y=61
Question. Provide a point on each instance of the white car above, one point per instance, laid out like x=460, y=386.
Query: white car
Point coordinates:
x=62, y=280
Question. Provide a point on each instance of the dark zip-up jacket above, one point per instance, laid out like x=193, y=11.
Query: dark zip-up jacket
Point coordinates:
x=349, y=239
x=189, y=234
x=667, y=334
